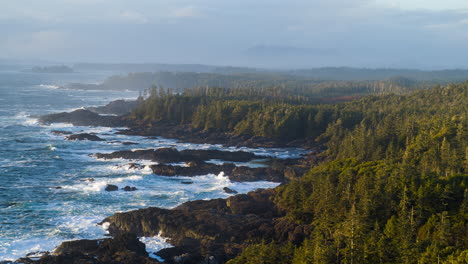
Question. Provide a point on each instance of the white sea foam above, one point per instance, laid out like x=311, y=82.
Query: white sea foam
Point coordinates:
x=19, y=248
x=99, y=184
x=82, y=226
x=123, y=166
x=252, y=164
x=49, y=86
x=245, y=187
x=59, y=125
x=155, y=244
x=50, y=147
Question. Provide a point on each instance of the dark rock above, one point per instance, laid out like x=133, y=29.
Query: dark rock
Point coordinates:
x=136, y=166
x=201, y=168
x=111, y=188
x=186, y=182
x=37, y=254
x=82, y=246
x=122, y=249
x=201, y=229
x=117, y=107
x=129, y=189
x=242, y=173
x=238, y=174
x=229, y=190
x=129, y=143
x=60, y=132
x=87, y=180
x=233, y=156
x=58, y=187
x=172, y=155
x=84, y=136
x=83, y=118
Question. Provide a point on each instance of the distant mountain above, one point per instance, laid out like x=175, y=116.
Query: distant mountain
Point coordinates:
x=51, y=69
x=283, y=50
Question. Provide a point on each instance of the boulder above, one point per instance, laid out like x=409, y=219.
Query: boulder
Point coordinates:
x=60, y=132
x=122, y=249
x=129, y=189
x=111, y=188
x=84, y=136
x=186, y=182
x=229, y=190
x=83, y=117
x=126, y=143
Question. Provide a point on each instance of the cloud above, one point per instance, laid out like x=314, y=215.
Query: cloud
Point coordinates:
x=133, y=17
x=186, y=12
x=45, y=43
x=362, y=32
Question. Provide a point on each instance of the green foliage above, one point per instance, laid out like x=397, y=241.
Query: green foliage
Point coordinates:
x=394, y=187
x=256, y=118
x=263, y=253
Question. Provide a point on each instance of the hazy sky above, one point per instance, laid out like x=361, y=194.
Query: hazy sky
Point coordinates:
x=268, y=33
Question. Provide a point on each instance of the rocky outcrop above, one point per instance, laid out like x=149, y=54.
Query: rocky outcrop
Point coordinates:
x=184, y=132
x=111, y=188
x=172, y=155
x=129, y=188
x=117, y=107
x=60, y=132
x=214, y=229
x=195, y=169
x=84, y=136
x=187, y=133
x=237, y=174
x=83, y=117
x=229, y=190
x=122, y=249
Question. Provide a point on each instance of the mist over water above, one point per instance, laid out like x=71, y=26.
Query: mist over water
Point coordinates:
x=35, y=215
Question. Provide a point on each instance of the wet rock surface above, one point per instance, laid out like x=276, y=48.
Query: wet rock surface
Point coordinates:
x=229, y=190
x=82, y=117
x=172, y=155
x=237, y=174
x=117, y=107
x=84, y=136
x=129, y=188
x=60, y=132
x=111, y=188
x=214, y=229
x=122, y=249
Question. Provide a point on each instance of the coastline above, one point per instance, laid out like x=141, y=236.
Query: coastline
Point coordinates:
x=93, y=120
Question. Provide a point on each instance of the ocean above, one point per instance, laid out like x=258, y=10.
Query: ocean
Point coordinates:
x=52, y=190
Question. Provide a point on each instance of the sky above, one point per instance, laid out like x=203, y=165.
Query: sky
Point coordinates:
x=425, y=34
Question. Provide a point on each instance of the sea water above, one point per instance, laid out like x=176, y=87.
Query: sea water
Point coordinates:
x=52, y=190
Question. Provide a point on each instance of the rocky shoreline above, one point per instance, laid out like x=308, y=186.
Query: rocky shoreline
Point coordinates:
x=201, y=231
x=185, y=133
x=196, y=162
x=211, y=231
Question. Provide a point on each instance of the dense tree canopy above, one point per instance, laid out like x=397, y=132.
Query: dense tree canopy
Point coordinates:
x=393, y=187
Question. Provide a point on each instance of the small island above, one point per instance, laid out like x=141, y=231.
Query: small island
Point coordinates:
x=51, y=69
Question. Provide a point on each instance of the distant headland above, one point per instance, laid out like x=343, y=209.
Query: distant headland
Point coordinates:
x=51, y=69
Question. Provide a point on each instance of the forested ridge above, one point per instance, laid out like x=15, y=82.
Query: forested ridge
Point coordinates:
x=257, y=81
x=393, y=188
x=393, y=184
